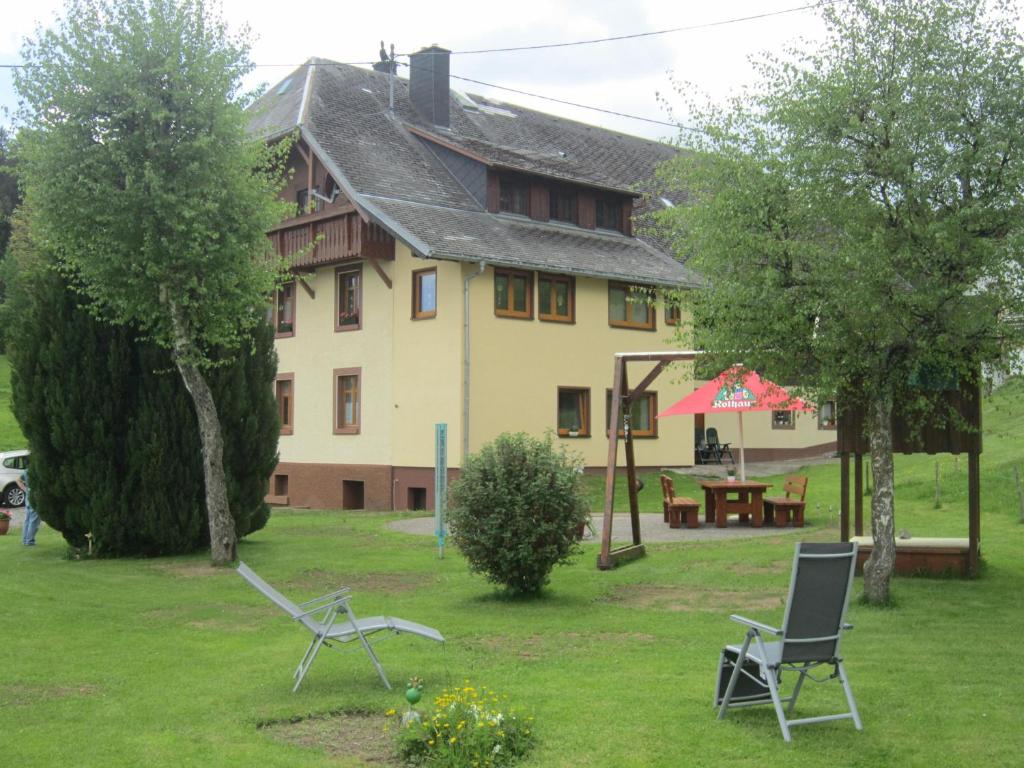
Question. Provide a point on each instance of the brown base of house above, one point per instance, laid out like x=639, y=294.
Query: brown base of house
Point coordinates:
x=784, y=454
x=353, y=486
x=382, y=487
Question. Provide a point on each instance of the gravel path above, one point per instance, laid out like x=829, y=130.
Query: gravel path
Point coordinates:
x=652, y=528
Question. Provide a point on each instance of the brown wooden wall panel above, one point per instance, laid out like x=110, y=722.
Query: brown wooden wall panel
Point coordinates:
x=586, y=209
x=540, y=202
x=337, y=237
x=493, y=191
x=948, y=437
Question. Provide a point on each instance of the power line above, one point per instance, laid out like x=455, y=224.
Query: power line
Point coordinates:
x=575, y=104
x=542, y=46
x=707, y=25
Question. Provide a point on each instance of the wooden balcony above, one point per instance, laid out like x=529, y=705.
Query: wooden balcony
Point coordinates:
x=333, y=235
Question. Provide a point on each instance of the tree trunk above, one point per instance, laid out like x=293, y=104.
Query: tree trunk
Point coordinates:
x=879, y=567
x=222, y=526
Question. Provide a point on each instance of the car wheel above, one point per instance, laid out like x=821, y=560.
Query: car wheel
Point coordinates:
x=13, y=496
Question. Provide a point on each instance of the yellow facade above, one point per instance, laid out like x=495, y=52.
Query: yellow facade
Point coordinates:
x=412, y=370
x=518, y=366
x=427, y=364
x=759, y=435
x=411, y=373
x=313, y=354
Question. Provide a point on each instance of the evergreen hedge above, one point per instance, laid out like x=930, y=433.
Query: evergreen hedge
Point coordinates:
x=115, y=445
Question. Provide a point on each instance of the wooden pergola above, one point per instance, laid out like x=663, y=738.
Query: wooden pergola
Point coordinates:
x=622, y=400
x=960, y=434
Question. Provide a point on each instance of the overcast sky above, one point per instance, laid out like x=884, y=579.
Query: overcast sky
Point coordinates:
x=624, y=76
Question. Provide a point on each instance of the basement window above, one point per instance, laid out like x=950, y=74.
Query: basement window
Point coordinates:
x=352, y=494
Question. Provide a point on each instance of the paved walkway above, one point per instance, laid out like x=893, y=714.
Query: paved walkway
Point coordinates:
x=652, y=525
x=652, y=528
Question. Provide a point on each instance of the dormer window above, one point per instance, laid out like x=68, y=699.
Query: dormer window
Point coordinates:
x=513, y=196
x=564, y=205
x=608, y=213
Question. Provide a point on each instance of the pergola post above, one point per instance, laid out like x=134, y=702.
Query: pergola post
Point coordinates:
x=844, y=496
x=973, y=511
x=621, y=402
x=858, y=492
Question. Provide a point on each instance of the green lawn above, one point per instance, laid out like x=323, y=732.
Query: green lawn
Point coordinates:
x=171, y=663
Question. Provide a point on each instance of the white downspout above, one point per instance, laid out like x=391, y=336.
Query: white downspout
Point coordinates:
x=465, y=361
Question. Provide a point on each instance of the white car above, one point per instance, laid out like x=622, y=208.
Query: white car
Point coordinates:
x=12, y=464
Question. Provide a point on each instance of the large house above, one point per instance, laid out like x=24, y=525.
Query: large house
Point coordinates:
x=465, y=262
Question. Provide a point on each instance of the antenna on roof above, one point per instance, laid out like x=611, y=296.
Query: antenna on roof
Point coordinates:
x=387, y=64
x=391, y=80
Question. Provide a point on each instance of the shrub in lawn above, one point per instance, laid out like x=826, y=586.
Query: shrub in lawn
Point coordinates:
x=466, y=727
x=115, y=445
x=517, y=510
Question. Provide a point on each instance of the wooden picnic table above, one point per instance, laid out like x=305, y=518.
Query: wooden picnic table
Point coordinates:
x=747, y=501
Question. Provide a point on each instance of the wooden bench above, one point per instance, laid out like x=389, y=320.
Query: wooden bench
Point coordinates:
x=782, y=508
x=678, y=508
x=916, y=555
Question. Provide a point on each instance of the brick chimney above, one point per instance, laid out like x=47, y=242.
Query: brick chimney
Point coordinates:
x=428, y=84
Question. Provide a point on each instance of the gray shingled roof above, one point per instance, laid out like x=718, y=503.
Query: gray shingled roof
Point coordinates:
x=391, y=175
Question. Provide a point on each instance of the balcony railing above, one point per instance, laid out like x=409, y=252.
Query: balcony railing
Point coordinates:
x=330, y=236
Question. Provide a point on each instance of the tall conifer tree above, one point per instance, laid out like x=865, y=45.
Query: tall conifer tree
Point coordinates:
x=115, y=447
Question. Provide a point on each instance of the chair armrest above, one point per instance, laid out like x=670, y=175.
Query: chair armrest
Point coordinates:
x=755, y=624
x=325, y=606
x=322, y=598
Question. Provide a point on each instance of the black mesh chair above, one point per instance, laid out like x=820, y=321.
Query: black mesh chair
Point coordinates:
x=819, y=593
x=718, y=449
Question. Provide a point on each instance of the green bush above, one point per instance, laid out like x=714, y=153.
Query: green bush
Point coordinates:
x=517, y=510
x=466, y=728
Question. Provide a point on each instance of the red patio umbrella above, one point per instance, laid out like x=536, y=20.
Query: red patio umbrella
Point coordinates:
x=737, y=390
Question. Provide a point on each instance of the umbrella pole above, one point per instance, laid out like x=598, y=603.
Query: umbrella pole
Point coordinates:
x=743, y=463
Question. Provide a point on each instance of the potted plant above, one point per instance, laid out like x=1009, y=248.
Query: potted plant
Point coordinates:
x=730, y=474
x=5, y=521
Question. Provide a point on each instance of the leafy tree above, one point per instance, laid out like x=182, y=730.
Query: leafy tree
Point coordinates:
x=140, y=176
x=859, y=218
x=115, y=445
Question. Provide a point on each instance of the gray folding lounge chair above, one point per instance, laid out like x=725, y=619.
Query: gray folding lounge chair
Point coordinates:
x=819, y=592
x=321, y=617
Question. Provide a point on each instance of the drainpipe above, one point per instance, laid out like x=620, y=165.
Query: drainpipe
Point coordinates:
x=465, y=361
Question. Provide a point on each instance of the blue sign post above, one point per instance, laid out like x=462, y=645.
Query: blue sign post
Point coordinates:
x=440, y=484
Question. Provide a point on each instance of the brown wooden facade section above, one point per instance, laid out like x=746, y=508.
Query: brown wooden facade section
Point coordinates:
x=961, y=434
x=328, y=228
x=330, y=236
x=538, y=199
